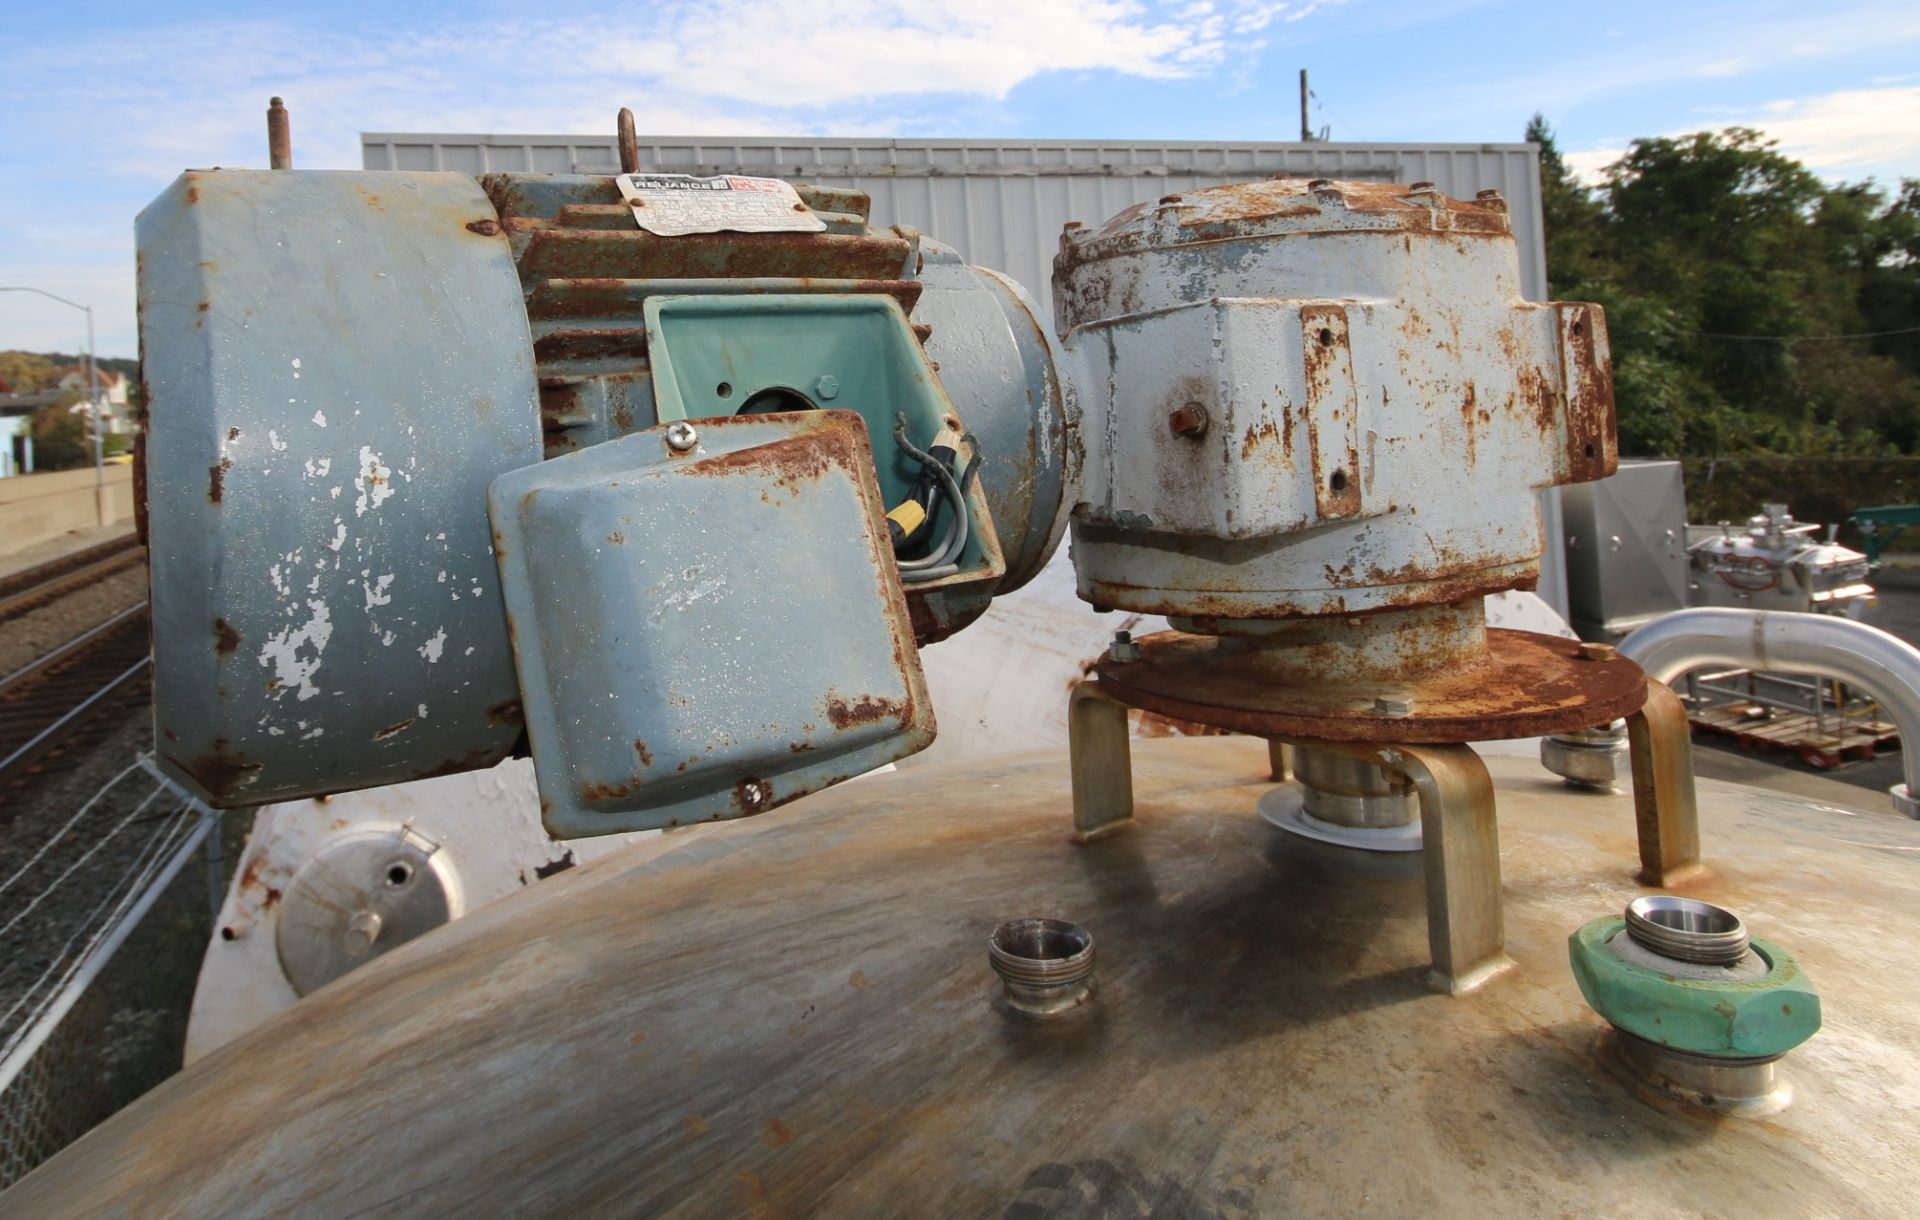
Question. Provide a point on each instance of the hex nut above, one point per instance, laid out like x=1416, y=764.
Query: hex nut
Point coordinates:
x=1726, y=1019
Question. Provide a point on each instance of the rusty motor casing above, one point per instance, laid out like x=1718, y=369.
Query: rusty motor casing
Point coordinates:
x=1308, y=398
x=338, y=365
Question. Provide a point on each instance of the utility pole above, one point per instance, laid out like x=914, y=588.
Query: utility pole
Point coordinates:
x=1306, y=128
x=93, y=401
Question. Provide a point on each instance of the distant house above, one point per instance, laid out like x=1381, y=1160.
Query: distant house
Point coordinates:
x=16, y=428
x=114, y=416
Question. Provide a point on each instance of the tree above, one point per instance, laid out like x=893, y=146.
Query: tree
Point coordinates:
x=61, y=437
x=1574, y=221
x=27, y=371
x=1740, y=290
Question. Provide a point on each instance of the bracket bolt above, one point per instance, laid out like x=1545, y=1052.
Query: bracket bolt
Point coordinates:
x=1393, y=705
x=827, y=386
x=1598, y=652
x=1123, y=648
x=681, y=436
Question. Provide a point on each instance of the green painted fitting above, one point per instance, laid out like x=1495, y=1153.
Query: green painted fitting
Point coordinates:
x=1734, y=1019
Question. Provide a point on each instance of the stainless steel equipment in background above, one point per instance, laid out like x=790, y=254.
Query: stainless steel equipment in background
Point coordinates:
x=1626, y=548
x=1777, y=563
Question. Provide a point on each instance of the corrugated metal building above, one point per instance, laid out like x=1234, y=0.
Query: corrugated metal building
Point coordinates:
x=1002, y=203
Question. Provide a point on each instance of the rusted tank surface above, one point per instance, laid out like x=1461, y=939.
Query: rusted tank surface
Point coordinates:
x=797, y=1016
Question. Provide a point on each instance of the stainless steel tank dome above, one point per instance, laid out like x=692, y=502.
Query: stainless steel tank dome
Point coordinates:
x=797, y=1016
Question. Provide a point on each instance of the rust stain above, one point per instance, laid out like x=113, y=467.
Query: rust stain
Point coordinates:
x=1469, y=409
x=505, y=712
x=696, y=1124
x=1587, y=366
x=595, y=792
x=1330, y=408
x=753, y=1196
x=752, y=795
x=472, y=760
x=867, y=709
x=1153, y=724
x=1526, y=685
x=217, y=479
x=791, y=463
x=226, y=639
x=776, y=1133
x=1264, y=432
x=220, y=770
x=485, y=228
x=617, y=538
x=646, y=755
x=398, y=726
x=859, y=981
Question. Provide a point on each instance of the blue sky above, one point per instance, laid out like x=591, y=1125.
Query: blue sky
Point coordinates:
x=102, y=103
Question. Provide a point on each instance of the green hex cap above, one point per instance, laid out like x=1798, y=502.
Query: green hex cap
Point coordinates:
x=1737, y=1019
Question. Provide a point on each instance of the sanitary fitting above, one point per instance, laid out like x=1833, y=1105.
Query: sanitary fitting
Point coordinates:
x=1701, y=1012
x=1587, y=758
x=1346, y=801
x=1046, y=965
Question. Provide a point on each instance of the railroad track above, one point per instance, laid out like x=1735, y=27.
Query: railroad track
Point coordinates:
x=38, y=586
x=53, y=709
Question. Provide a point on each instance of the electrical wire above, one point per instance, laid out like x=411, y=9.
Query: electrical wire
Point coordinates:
x=939, y=563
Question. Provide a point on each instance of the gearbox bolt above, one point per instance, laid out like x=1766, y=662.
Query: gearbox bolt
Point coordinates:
x=1189, y=421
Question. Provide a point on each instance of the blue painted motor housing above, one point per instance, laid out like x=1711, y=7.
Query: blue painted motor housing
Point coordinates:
x=338, y=365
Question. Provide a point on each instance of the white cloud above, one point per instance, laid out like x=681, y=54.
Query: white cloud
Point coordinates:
x=88, y=150
x=1588, y=163
x=1851, y=134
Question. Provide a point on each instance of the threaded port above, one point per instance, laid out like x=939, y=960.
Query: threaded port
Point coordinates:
x=1046, y=965
x=1687, y=929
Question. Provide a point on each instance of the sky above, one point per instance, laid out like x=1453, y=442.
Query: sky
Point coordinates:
x=102, y=104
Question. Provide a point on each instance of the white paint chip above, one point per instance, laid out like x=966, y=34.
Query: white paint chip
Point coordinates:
x=374, y=482
x=292, y=669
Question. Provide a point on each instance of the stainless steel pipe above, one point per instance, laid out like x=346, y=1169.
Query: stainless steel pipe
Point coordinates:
x=1880, y=664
